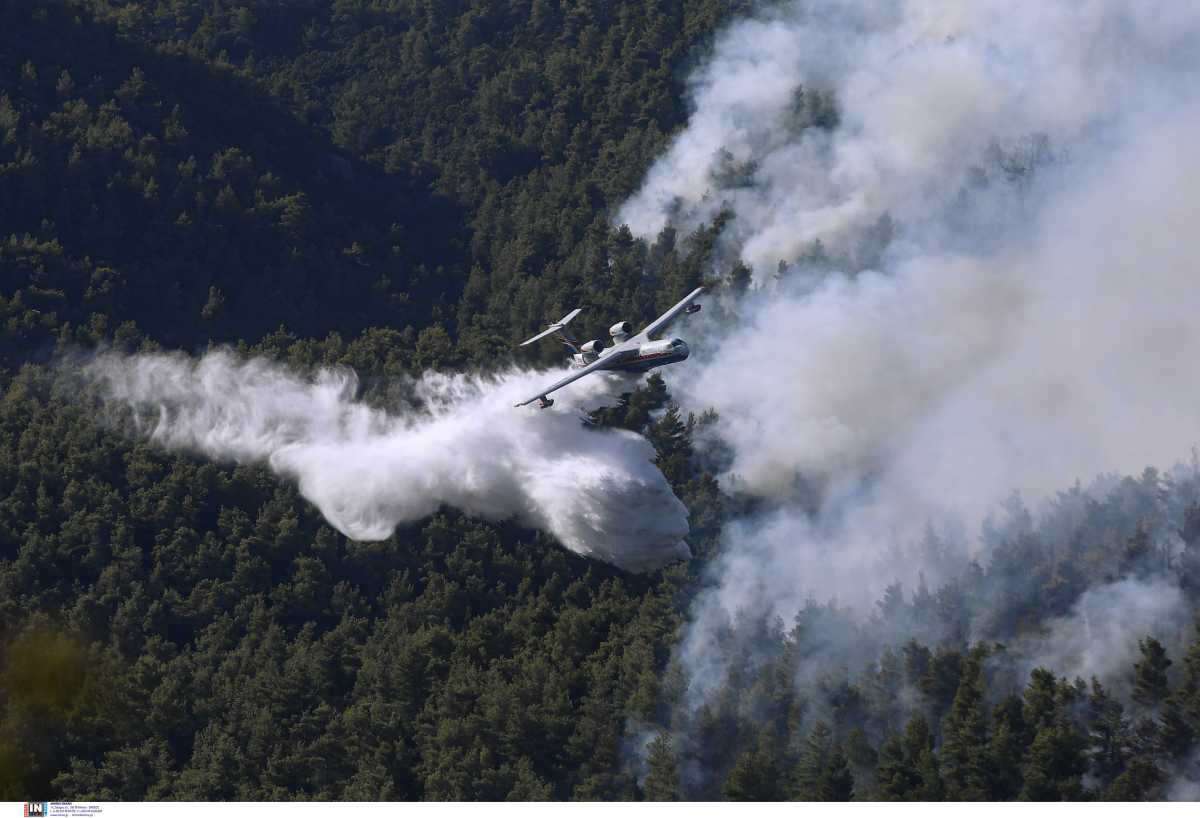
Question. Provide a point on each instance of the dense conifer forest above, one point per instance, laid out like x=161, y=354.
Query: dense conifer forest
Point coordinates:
x=403, y=185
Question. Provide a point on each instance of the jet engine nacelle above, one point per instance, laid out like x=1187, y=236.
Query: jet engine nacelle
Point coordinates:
x=592, y=347
x=620, y=330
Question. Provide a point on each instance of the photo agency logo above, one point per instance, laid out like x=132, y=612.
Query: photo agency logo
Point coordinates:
x=36, y=809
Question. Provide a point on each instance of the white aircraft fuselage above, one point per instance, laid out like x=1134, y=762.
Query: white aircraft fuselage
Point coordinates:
x=646, y=357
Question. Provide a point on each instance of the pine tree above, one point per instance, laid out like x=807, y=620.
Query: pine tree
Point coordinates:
x=932, y=786
x=862, y=757
x=811, y=765
x=1006, y=749
x=916, y=662
x=1041, y=700
x=662, y=779
x=899, y=774
x=740, y=277
x=837, y=783
x=940, y=681
x=1150, y=673
x=823, y=772
x=1057, y=762
x=672, y=439
x=1107, y=729
x=1139, y=782
x=755, y=776
x=1057, y=756
x=528, y=785
x=964, y=748
x=1181, y=710
x=1176, y=730
x=1189, y=560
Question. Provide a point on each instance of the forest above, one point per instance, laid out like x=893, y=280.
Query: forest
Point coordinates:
x=396, y=186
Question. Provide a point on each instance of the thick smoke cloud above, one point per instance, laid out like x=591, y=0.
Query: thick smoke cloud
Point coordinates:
x=1025, y=368
x=927, y=94
x=461, y=444
x=1019, y=183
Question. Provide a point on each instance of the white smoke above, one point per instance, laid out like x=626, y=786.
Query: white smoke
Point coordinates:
x=1030, y=320
x=461, y=444
x=1023, y=368
x=1099, y=637
x=926, y=93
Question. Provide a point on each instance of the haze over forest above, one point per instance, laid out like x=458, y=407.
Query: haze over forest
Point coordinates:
x=919, y=519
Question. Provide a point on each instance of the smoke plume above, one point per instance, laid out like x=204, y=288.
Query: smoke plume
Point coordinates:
x=970, y=230
x=460, y=443
x=1099, y=637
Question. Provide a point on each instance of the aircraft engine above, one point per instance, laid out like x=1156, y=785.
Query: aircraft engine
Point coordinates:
x=592, y=347
x=620, y=330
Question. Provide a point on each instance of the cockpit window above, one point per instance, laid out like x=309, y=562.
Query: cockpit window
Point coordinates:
x=677, y=343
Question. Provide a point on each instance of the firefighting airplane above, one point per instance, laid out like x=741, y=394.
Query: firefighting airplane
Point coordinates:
x=629, y=353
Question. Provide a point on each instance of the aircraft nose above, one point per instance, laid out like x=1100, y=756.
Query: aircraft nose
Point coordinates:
x=682, y=348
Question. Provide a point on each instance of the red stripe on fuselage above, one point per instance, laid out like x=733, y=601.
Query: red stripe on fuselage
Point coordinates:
x=649, y=357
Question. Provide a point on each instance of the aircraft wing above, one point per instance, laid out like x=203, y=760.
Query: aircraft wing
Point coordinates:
x=555, y=327
x=660, y=323
x=615, y=356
